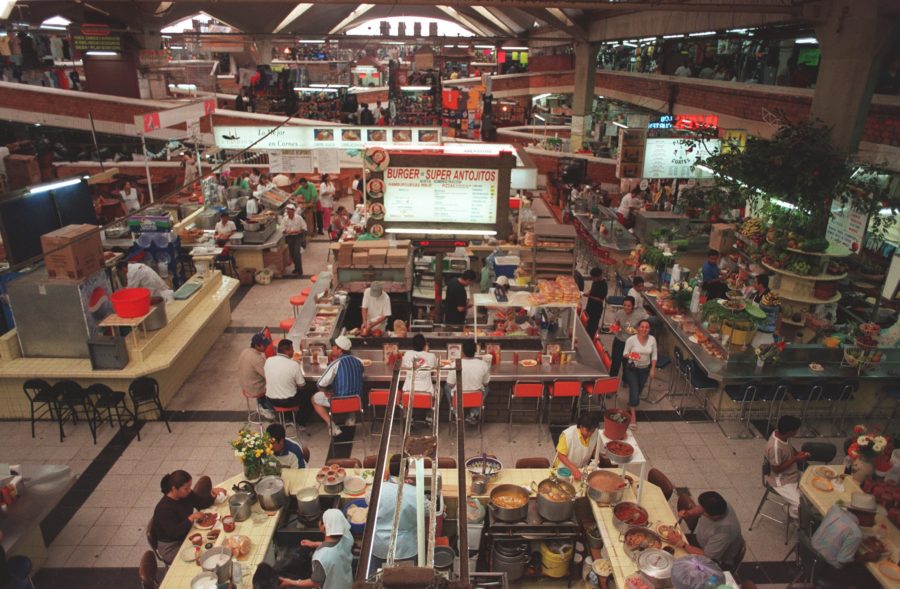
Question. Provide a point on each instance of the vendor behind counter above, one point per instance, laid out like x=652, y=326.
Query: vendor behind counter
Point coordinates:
x=140, y=275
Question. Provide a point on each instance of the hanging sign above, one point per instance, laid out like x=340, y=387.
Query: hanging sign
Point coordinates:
x=440, y=195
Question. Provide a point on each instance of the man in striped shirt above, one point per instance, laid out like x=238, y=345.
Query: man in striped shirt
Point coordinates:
x=342, y=378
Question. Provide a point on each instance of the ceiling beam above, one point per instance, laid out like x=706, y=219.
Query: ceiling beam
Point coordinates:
x=579, y=33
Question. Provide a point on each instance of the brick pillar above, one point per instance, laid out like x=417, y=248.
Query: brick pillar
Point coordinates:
x=583, y=95
x=854, y=39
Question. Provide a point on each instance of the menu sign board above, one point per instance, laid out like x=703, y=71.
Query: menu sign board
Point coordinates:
x=673, y=158
x=290, y=161
x=846, y=227
x=440, y=195
x=96, y=43
x=242, y=137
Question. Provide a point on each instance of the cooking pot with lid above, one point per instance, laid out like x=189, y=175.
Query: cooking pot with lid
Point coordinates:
x=555, y=499
x=270, y=493
x=656, y=566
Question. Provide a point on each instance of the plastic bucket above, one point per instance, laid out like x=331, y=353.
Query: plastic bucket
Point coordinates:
x=131, y=302
x=554, y=563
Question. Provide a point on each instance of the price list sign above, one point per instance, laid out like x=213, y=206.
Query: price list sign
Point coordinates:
x=440, y=195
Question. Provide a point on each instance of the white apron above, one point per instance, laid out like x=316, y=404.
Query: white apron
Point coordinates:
x=578, y=454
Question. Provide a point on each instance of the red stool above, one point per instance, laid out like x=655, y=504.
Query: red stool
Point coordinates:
x=305, y=292
x=280, y=412
x=254, y=417
x=286, y=325
x=297, y=302
x=314, y=278
x=420, y=401
x=378, y=398
x=526, y=390
x=568, y=389
x=350, y=405
x=470, y=400
x=602, y=388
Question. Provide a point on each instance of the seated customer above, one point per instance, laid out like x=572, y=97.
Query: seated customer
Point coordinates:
x=476, y=374
x=252, y=373
x=288, y=452
x=718, y=531
x=839, y=536
x=342, y=378
x=174, y=514
x=784, y=475
x=283, y=376
x=424, y=361
x=636, y=292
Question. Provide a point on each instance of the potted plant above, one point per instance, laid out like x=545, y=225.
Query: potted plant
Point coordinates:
x=615, y=424
x=681, y=294
x=769, y=353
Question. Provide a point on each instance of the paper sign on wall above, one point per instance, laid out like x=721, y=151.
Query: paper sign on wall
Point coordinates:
x=291, y=161
x=328, y=161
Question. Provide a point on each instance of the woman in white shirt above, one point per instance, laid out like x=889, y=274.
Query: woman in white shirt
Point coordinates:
x=130, y=197
x=424, y=361
x=640, y=364
x=224, y=229
x=326, y=200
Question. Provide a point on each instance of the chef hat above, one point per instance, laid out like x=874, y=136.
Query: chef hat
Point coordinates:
x=336, y=523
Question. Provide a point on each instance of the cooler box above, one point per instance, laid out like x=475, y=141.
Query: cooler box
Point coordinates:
x=506, y=265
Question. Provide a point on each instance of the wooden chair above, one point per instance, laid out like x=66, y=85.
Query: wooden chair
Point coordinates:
x=657, y=477
x=344, y=462
x=147, y=571
x=446, y=462
x=370, y=461
x=533, y=462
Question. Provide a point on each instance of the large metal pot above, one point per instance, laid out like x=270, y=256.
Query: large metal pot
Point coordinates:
x=270, y=493
x=239, y=505
x=549, y=505
x=308, y=502
x=157, y=318
x=627, y=514
x=509, y=514
x=656, y=566
x=606, y=487
x=510, y=559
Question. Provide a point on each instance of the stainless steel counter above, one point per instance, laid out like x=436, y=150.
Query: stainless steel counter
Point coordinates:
x=45, y=485
x=617, y=238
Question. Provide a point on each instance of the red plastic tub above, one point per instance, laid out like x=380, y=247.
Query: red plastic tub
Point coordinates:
x=131, y=302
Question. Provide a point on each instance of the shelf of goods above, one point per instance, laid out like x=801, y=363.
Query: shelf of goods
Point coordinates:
x=358, y=263
x=553, y=250
x=800, y=291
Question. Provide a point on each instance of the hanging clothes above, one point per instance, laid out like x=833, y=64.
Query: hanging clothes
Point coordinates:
x=56, y=48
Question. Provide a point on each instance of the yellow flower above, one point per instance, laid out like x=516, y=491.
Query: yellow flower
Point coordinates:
x=258, y=453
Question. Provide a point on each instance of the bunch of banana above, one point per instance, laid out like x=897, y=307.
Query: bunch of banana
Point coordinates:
x=752, y=227
x=770, y=299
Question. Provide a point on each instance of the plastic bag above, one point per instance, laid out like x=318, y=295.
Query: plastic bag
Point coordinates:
x=695, y=572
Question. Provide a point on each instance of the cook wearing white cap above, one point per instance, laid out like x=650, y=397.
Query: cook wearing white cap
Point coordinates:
x=294, y=228
x=839, y=536
x=500, y=289
x=332, y=562
x=342, y=378
x=376, y=308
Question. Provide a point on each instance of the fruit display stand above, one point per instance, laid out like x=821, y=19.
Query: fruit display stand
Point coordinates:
x=801, y=293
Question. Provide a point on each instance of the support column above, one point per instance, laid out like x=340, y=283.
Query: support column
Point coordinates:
x=854, y=39
x=583, y=96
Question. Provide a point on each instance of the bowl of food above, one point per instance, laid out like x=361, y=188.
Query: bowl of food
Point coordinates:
x=354, y=485
x=356, y=512
x=627, y=514
x=619, y=452
x=638, y=539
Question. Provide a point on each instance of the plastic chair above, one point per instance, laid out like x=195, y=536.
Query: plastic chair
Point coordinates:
x=147, y=571
x=254, y=416
x=470, y=400
x=665, y=485
x=344, y=462
x=770, y=494
x=602, y=388
x=144, y=391
x=74, y=402
x=350, y=405
x=43, y=401
x=533, y=462
x=564, y=389
x=526, y=390
x=108, y=401
x=370, y=461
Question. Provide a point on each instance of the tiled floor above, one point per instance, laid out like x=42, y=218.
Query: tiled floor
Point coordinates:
x=107, y=531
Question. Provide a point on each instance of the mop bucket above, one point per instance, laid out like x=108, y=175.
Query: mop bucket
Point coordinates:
x=555, y=559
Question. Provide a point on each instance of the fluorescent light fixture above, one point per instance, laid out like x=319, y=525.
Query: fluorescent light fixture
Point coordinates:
x=484, y=46
x=310, y=89
x=54, y=186
x=102, y=53
x=703, y=34
x=328, y=85
x=806, y=41
x=886, y=212
x=515, y=48
x=628, y=44
x=673, y=36
x=706, y=169
x=646, y=39
x=6, y=7
x=311, y=41
x=415, y=88
x=785, y=205
x=432, y=231
x=52, y=28
x=618, y=124
x=449, y=45
x=540, y=96
x=176, y=47
x=364, y=68
x=741, y=31
x=165, y=36
x=292, y=16
x=37, y=124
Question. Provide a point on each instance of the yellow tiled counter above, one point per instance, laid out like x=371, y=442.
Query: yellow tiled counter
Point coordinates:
x=169, y=355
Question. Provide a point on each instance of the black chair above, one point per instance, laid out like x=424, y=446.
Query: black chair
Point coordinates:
x=812, y=565
x=43, y=401
x=75, y=402
x=144, y=393
x=108, y=401
x=772, y=495
x=821, y=452
x=808, y=393
x=839, y=395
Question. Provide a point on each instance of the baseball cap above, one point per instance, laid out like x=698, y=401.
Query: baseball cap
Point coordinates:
x=291, y=206
x=259, y=339
x=376, y=289
x=343, y=342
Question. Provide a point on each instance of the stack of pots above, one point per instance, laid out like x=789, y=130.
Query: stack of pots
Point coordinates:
x=510, y=558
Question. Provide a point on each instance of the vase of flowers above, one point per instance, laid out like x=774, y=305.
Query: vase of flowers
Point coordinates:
x=255, y=452
x=769, y=353
x=864, y=451
x=680, y=294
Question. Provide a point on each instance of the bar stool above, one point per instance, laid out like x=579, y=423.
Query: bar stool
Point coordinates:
x=254, y=416
x=304, y=292
x=285, y=325
x=349, y=405
x=377, y=398
x=807, y=393
x=526, y=390
x=662, y=362
x=888, y=393
x=297, y=302
x=744, y=395
x=420, y=400
x=314, y=278
x=564, y=389
x=470, y=400
x=775, y=397
x=280, y=414
x=602, y=388
x=20, y=568
x=698, y=383
x=839, y=395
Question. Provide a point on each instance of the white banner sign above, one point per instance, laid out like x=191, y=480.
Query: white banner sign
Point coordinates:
x=242, y=137
x=673, y=158
x=440, y=195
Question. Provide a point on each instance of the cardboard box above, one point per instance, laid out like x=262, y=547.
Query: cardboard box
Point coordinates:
x=376, y=257
x=722, y=237
x=22, y=170
x=360, y=258
x=345, y=255
x=81, y=254
x=277, y=259
x=396, y=257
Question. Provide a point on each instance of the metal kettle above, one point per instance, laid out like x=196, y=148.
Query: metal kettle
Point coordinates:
x=246, y=487
x=239, y=505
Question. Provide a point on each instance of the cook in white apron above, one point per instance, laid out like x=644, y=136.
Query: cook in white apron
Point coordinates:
x=333, y=558
x=578, y=444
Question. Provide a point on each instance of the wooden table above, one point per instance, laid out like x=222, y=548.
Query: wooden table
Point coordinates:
x=823, y=500
x=115, y=322
x=660, y=512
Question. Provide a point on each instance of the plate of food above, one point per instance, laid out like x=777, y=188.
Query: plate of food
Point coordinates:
x=528, y=363
x=821, y=484
x=377, y=230
x=664, y=529
x=206, y=521
x=734, y=306
x=366, y=362
x=188, y=554
x=816, y=367
x=889, y=570
x=653, y=292
x=825, y=472
x=446, y=363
